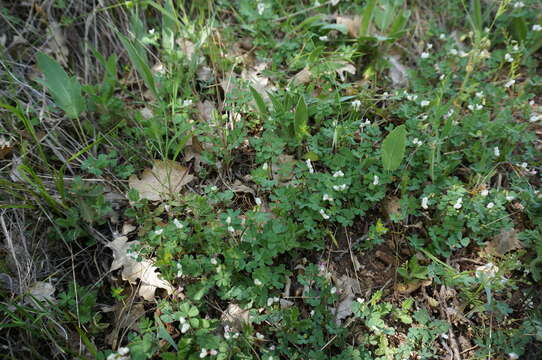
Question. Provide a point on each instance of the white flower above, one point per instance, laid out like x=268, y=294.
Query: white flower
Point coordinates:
x=123, y=351
x=449, y=113
x=509, y=83
x=257, y=282
x=324, y=215
x=214, y=261
x=177, y=224
x=187, y=102
x=376, y=180
x=484, y=192
x=333, y=290
x=513, y=356
x=228, y=220
x=259, y=336
x=496, y=151
x=479, y=94
x=214, y=188
x=261, y=8
x=185, y=327
x=323, y=38
x=203, y=353
x=338, y=174
x=360, y=300
x=258, y=201
x=151, y=31
x=429, y=46
x=515, y=48
x=159, y=231
x=340, y=187
x=537, y=27
x=458, y=204
x=425, y=55
x=425, y=103
x=518, y=4
x=463, y=54
x=364, y=123
x=356, y=104
x=270, y=301
x=535, y=118
x=508, y=57
x=488, y=270
x=412, y=97
x=490, y=205
x=442, y=36
x=509, y=197
x=453, y=52
x=524, y=165
x=425, y=200
x=441, y=77
x=309, y=165
x=231, y=229
x=335, y=2
x=326, y=197
x=265, y=166
x=417, y=142
x=213, y=352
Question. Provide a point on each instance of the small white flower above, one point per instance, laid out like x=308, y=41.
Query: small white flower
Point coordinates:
x=323, y=38
x=270, y=301
x=479, y=94
x=213, y=352
x=537, y=27
x=508, y=57
x=324, y=215
x=442, y=36
x=177, y=224
x=187, y=102
x=338, y=174
x=376, y=180
x=214, y=261
x=535, y=118
x=123, y=351
x=484, y=192
x=449, y=113
x=151, y=31
x=360, y=300
x=425, y=201
x=340, y=187
x=261, y=8
x=479, y=107
x=518, y=4
x=463, y=54
x=509, y=198
x=182, y=320
x=259, y=336
x=425, y=55
x=509, y=83
x=417, y=142
x=356, y=104
x=524, y=165
x=488, y=270
x=429, y=46
x=214, y=188
x=496, y=151
x=257, y=282
x=231, y=229
x=444, y=336
x=326, y=197
x=333, y=290
x=185, y=327
x=159, y=231
x=490, y=205
x=312, y=313
x=228, y=220
x=309, y=165
x=265, y=166
x=515, y=48
x=335, y=2
x=258, y=201
x=203, y=353
x=458, y=204
x=513, y=356
x=425, y=103
x=453, y=52
x=412, y=97
x=364, y=123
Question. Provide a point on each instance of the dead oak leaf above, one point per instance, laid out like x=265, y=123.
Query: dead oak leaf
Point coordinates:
x=162, y=182
x=144, y=270
x=352, y=24
x=503, y=242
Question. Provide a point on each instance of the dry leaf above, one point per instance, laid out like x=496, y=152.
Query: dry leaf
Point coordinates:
x=235, y=317
x=5, y=147
x=345, y=68
x=392, y=206
x=57, y=43
x=237, y=186
x=504, y=242
x=348, y=288
x=133, y=270
x=352, y=23
x=206, y=110
x=398, y=72
x=127, y=314
x=187, y=47
x=408, y=288
x=164, y=181
x=40, y=291
x=204, y=73
x=302, y=77
x=283, y=168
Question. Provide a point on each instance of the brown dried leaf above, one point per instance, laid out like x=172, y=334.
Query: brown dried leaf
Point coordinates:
x=345, y=68
x=57, y=43
x=235, y=317
x=352, y=23
x=504, y=242
x=302, y=77
x=164, y=181
x=392, y=206
x=398, y=72
x=237, y=186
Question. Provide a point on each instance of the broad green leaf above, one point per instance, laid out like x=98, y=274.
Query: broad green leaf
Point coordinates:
x=301, y=119
x=367, y=18
x=138, y=57
x=259, y=100
x=393, y=148
x=65, y=90
x=519, y=29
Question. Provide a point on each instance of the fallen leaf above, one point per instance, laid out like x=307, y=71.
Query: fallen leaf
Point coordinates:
x=283, y=168
x=187, y=47
x=5, y=147
x=302, y=77
x=392, y=206
x=348, y=288
x=235, y=317
x=127, y=314
x=237, y=186
x=398, y=72
x=409, y=288
x=163, y=182
x=504, y=242
x=128, y=228
x=42, y=292
x=345, y=68
x=204, y=73
x=133, y=270
x=352, y=24
x=57, y=43
x=206, y=110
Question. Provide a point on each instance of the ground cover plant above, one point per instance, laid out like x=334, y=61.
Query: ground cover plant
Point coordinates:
x=271, y=179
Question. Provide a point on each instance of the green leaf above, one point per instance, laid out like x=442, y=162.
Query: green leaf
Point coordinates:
x=66, y=91
x=519, y=29
x=367, y=18
x=301, y=119
x=393, y=148
x=138, y=57
x=259, y=100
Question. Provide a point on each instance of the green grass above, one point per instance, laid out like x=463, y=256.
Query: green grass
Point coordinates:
x=300, y=193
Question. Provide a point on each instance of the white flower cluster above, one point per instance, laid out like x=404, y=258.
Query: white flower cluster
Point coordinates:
x=473, y=107
x=376, y=180
x=417, y=142
x=185, y=326
x=177, y=224
x=356, y=104
x=424, y=103
x=519, y=4
x=458, y=204
x=121, y=354
x=508, y=58
x=272, y=300
x=537, y=28
x=309, y=165
x=324, y=215
x=425, y=202
x=229, y=333
x=340, y=187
